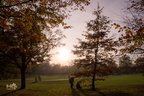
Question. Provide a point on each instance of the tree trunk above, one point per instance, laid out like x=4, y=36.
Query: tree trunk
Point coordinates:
x=93, y=79
x=96, y=54
x=23, y=69
x=95, y=64
x=23, y=80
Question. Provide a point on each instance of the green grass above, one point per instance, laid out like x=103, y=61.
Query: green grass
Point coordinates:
x=54, y=77
x=32, y=78
x=123, y=85
x=136, y=79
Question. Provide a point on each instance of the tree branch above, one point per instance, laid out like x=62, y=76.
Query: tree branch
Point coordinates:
x=15, y=4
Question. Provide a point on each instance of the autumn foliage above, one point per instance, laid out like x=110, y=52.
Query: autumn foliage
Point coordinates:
x=94, y=53
x=26, y=29
x=132, y=32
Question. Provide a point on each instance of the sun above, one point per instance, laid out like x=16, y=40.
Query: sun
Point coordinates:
x=64, y=54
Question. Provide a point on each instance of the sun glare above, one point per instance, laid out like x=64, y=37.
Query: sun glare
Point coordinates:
x=63, y=54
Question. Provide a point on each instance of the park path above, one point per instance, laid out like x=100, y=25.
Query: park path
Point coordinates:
x=33, y=80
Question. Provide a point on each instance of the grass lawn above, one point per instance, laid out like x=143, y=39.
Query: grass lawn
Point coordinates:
x=123, y=85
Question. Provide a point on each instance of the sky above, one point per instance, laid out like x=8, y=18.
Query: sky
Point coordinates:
x=112, y=8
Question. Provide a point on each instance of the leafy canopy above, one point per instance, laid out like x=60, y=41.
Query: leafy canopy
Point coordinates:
x=95, y=49
x=132, y=34
x=26, y=29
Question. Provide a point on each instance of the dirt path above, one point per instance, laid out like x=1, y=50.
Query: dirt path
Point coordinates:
x=32, y=80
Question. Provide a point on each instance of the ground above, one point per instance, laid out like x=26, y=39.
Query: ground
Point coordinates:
x=124, y=85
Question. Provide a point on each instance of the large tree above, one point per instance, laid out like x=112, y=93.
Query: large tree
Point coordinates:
x=25, y=44
x=52, y=11
x=93, y=52
x=22, y=28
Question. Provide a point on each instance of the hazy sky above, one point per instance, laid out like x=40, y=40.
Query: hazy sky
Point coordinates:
x=112, y=9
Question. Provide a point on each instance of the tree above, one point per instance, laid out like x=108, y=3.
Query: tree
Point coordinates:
x=24, y=47
x=54, y=11
x=111, y=63
x=44, y=69
x=139, y=64
x=22, y=28
x=125, y=64
x=93, y=52
x=7, y=70
x=133, y=32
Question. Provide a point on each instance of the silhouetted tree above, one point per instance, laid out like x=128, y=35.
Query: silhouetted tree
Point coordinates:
x=93, y=52
x=139, y=64
x=125, y=64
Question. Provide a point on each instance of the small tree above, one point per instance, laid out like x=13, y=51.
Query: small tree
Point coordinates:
x=139, y=64
x=125, y=64
x=92, y=53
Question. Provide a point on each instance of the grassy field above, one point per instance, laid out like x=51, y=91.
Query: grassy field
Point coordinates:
x=123, y=85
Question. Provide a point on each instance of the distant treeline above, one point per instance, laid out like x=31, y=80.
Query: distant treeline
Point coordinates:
x=51, y=69
x=40, y=69
x=125, y=66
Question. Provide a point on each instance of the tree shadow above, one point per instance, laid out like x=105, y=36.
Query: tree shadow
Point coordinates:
x=90, y=92
x=119, y=93
x=75, y=92
x=98, y=92
x=80, y=92
x=85, y=93
x=113, y=93
x=8, y=93
x=33, y=82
